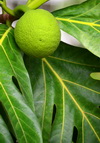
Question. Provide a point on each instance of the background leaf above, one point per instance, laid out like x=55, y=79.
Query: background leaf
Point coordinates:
x=5, y=136
x=66, y=98
x=83, y=22
x=15, y=90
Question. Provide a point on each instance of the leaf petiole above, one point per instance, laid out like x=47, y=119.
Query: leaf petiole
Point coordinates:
x=29, y=1
x=35, y=4
x=20, y=10
x=6, y=9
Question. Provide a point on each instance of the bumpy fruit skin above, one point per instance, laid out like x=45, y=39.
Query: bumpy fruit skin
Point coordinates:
x=37, y=33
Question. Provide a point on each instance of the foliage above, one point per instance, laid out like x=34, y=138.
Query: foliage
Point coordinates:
x=83, y=24
x=62, y=82
x=17, y=102
x=52, y=99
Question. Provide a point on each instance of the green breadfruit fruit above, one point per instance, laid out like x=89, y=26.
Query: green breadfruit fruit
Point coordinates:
x=37, y=33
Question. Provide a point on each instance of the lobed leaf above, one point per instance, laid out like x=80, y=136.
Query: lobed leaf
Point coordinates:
x=14, y=66
x=66, y=98
x=15, y=90
x=83, y=22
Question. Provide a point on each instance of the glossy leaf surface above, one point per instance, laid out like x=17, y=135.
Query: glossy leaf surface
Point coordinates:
x=15, y=90
x=83, y=22
x=66, y=98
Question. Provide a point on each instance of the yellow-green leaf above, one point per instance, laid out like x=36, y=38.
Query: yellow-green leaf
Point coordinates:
x=83, y=22
x=95, y=75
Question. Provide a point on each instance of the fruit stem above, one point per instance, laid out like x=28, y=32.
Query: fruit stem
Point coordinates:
x=5, y=8
x=29, y=1
x=4, y=1
x=6, y=16
x=20, y=10
x=35, y=4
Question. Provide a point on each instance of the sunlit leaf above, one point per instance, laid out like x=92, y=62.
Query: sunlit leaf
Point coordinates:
x=15, y=90
x=95, y=75
x=66, y=98
x=83, y=22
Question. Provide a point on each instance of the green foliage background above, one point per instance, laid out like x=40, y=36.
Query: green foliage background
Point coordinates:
x=53, y=99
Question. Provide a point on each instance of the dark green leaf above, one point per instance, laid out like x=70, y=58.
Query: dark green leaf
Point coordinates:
x=15, y=90
x=65, y=94
x=5, y=136
x=83, y=22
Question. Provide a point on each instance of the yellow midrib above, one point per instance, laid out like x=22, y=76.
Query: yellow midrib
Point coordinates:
x=4, y=35
x=78, y=22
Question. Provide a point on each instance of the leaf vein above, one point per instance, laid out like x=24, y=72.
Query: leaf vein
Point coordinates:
x=81, y=86
x=13, y=111
x=78, y=22
x=85, y=12
x=71, y=96
x=73, y=62
x=92, y=115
